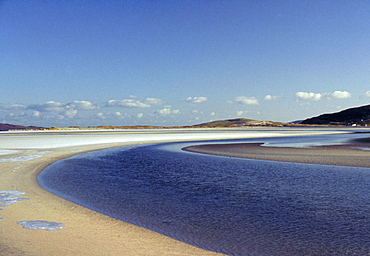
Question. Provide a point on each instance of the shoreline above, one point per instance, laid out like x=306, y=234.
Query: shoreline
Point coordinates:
x=85, y=232
x=342, y=155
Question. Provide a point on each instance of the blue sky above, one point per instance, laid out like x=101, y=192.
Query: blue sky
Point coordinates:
x=172, y=62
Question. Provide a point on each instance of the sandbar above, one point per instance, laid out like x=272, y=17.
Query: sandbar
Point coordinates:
x=351, y=154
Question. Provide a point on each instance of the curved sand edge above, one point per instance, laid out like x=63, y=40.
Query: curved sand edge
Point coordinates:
x=85, y=232
x=342, y=155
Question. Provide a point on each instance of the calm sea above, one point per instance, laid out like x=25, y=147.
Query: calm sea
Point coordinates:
x=228, y=205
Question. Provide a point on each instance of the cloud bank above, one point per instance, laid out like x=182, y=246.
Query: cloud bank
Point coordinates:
x=50, y=106
x=53, y=106
x=68, y=110
x=149, y=110
x=320, y=96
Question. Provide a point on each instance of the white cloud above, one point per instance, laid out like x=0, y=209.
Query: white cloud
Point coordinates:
x=81, y=104
x=164, y=111
x=213, y=114
x=49, y=106
x=168, y=111
x=246, y=100
x=15, y=107
x=70, y=109
x=319, y=96
x=340, y=95
x=270, y=97
x=196, y=99
x=309, y=96
x=140, y=115
x=132, y=103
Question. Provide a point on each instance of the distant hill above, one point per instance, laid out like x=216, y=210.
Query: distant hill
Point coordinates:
x=352, y=116
x=238, y=122
x=7, y=127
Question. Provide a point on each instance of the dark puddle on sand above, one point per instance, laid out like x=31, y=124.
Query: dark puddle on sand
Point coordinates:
x=233, y=206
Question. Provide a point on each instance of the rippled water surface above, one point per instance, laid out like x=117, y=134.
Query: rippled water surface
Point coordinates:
x=228, y=205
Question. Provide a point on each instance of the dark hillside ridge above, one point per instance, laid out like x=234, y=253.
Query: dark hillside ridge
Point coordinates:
x=358, y=116
x=7, y=127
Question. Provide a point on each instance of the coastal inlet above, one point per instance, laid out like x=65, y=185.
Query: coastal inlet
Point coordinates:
x=228, y=205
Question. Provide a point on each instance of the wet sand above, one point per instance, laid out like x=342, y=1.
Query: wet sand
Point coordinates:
x=344, y=155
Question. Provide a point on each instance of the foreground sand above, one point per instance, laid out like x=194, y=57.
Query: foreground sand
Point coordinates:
x=85, y=232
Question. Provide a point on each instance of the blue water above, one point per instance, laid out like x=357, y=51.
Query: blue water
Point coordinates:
x=228, y=205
